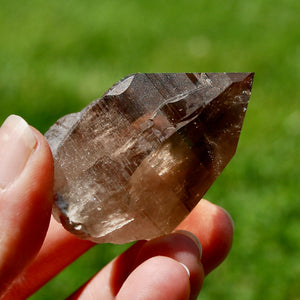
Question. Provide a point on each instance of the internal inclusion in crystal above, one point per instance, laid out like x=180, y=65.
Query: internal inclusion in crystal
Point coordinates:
x=134, y=163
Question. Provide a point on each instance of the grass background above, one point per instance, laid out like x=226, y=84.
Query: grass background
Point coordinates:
x=57, y=56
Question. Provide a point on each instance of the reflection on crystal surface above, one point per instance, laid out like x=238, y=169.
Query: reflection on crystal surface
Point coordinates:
x=132, y=164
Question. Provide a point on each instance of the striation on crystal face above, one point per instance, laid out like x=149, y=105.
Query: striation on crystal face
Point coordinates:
x=134, y=163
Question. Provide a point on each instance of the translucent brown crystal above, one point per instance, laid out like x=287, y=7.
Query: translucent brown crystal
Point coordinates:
x=134, y=163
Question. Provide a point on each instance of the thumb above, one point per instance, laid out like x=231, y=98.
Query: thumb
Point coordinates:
x=26, y=180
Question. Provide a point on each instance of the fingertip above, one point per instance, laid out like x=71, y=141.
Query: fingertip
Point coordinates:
x=183, y=247
x=25, y=199
x=229, y=217
x=221, y=239
x=214, y=228
x=193, y=237
x=159, y=277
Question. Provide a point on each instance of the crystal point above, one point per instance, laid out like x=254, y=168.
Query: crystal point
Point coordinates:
x=132, y=164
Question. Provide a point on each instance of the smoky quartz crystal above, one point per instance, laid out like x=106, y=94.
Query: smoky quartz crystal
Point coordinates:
x=134, y=163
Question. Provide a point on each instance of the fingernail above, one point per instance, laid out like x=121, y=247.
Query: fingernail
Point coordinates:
x=186, y=268
x=16, y=145
x=193, y=238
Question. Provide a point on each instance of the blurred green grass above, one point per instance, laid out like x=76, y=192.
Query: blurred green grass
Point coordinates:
x=57, y=56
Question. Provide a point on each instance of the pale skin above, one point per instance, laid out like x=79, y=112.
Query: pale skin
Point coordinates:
x=34, y=247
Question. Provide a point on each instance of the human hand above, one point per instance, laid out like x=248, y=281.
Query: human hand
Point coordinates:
x=167, y=267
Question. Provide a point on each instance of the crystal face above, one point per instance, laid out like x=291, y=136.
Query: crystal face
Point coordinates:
x=134, y=163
